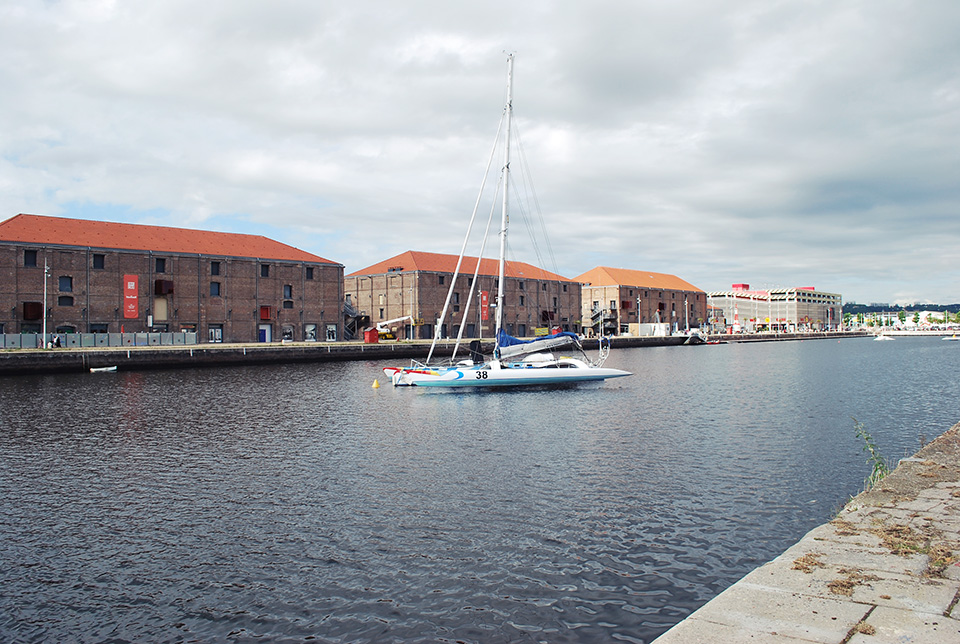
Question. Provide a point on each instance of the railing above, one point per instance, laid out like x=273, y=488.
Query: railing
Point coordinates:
x=80, y=340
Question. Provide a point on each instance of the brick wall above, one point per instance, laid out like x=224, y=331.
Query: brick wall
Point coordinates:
x=98, y=301
x=422, y=295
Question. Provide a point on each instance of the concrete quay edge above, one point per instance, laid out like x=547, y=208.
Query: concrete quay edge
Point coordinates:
x=34, y=361
x=63, y=360
x=885, y=570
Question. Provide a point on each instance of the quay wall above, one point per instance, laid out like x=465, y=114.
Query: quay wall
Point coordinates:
x=127, y=358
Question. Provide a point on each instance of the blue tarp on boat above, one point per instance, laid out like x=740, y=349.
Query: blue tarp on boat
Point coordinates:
x=504, y=340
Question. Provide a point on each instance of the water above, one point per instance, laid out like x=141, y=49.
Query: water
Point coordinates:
x=299, y=504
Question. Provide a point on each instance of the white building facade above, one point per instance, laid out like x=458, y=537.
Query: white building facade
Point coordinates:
x=779, y=310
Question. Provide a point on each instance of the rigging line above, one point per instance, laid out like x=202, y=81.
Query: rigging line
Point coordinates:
x=476, y=270
x=528, y=178
x=528, y=219
x=521, y=204
x=466, y=239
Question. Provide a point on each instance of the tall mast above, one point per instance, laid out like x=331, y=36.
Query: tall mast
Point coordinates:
x=504, y=217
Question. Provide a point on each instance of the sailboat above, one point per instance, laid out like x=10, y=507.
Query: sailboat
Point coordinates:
x=514, y=362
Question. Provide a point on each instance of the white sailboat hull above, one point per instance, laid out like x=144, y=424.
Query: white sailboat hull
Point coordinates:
x=495, y=374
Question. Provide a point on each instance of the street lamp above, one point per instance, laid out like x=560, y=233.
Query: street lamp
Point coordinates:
x=46, y=273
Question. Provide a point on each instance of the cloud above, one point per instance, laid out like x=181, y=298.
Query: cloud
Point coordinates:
x=791, y=143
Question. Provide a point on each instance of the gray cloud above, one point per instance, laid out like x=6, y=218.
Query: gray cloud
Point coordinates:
x=793, y=143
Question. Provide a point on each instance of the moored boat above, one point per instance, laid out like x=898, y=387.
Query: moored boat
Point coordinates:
x=512, y=362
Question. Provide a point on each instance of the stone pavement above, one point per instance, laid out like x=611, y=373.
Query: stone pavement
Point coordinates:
x=886, y=569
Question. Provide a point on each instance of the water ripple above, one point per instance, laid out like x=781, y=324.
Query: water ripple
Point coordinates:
x=297, y=504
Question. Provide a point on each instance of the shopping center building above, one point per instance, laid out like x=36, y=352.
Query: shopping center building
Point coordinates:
x=782, y=310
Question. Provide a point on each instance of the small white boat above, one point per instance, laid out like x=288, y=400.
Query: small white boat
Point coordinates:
x=882, y=337
x=951, y=337
x=102, y=369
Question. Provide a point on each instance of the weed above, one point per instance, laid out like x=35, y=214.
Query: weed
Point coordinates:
x=878, y=464
x=844, y=528
x=808, y=562
x=900, y=540
x=852, y=578
x=941, y=557
x=866, y=629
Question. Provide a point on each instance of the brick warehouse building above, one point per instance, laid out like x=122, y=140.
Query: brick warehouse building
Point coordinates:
x=415, y=284
x=616, y=298
x=112, y=277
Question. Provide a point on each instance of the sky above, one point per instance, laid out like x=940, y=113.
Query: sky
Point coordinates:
x=775, y=143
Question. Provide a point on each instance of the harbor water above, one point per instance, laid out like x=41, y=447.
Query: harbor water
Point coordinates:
x=298, y=503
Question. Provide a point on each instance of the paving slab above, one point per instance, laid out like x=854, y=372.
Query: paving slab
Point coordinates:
x=891, y=625
x=754, y=610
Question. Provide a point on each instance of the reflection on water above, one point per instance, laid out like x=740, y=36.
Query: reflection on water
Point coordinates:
x=280, y=503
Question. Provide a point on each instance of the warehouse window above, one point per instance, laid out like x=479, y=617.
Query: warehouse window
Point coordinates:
x=160, y=265
x=287, y=291
x=66, y=284
x=214, y=289
x=309, y=272
x=264, y=270
x=29, y=258
x=65, y=300
x=99, y=261
x=214, y=268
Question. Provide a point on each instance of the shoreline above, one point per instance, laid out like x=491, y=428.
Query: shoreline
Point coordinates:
x=886, y=569
x=14, y=362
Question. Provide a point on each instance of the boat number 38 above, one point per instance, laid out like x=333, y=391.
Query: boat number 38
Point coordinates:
x=481, y=375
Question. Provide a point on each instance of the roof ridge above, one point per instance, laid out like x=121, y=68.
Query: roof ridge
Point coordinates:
x=67, y=231
x=446, y=262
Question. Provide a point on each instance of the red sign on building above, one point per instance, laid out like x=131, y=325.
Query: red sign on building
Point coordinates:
x=130, y=290
x=484, y=305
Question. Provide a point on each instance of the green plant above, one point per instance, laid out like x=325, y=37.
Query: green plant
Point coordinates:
x=878, y=464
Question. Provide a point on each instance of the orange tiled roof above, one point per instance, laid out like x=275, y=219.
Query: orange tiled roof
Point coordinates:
x=605, y=276
x=413, y=260
x=41, y=229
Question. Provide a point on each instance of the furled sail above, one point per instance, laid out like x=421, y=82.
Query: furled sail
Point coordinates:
x=509, y=346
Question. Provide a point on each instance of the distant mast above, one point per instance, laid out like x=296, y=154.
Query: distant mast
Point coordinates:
x=504, y=218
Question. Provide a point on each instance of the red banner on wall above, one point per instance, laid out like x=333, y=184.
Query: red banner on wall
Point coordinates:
x=484, y=305
x=130, y=290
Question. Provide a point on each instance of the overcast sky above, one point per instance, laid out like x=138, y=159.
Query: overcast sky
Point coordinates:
x=777, y=143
